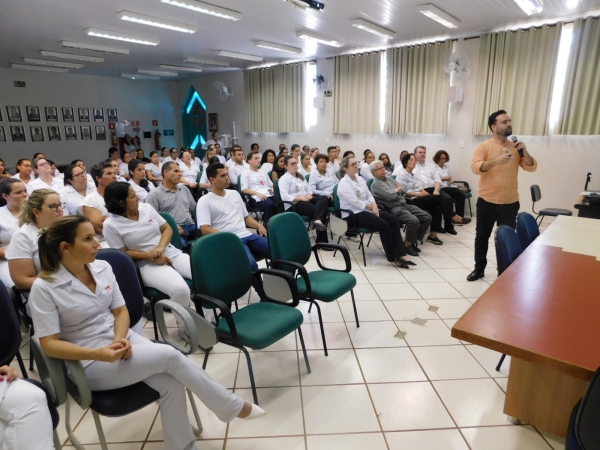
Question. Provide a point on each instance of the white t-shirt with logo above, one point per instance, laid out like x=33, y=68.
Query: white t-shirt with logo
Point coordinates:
x=257, y=181
x=223, y=213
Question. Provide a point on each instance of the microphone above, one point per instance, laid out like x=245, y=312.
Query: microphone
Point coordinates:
x=514, y=139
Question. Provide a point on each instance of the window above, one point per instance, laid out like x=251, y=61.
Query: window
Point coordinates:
x=564, y=49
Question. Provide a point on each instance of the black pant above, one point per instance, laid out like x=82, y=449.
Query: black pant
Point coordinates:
x=268, y=208
x=388, y=227
x=447, y=208
x=316, y=209
x=458, y=197
x=433, y=204
x=487, y=215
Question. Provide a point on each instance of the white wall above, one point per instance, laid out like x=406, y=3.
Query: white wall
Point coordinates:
x=563, y=160
x=140, y=100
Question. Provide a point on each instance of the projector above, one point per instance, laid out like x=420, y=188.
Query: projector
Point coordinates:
x=304, y=4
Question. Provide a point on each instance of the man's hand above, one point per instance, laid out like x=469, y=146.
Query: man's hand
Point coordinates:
x=423, y=193
x=504, y=158
x=263, y=197
x=262, y=230
x=180, y=230
x=436, y=192
x=8, y=373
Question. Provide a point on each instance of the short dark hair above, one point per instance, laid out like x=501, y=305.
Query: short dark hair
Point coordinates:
x=493, y=117
x=213, y=159
x=112, y=150
x=35, y=155
x=114, y=194
x=294, y=146
x=98, y=169
x=251, y=154
x=6, y=187
x=152, y=153
x=236, y=149
x=252, y=146
x=213, y=169
x=418, y=147
x=319, y=157
x=75, y=161
x=331, y=147
x=69, y=174
x=348, y=153
x=166, y=167
x=405, y=159
x=438, y=154
x=21, y=161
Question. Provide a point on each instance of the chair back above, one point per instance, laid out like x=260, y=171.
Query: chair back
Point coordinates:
x=336, y=199
x=175, y=238
x=239, y=186
x=536, y=194
x=276, y=193
x=126, y=273
x=586, y=424
x=508, y=247
x=220, y=267
x=370, y=182
x=10, y=332
x=288, y=239
x=307, y=177
x=527, y=229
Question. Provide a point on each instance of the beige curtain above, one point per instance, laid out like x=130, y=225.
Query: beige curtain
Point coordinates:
x=357, y=93
x=580, y=104
x=516, y=73
x=274, y=99
x=417, y=89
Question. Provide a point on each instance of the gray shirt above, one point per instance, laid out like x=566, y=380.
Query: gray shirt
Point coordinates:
x=385, y=192
x=179, y=204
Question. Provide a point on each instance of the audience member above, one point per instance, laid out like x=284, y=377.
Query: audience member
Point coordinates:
x=195, y=159
x=214, y=141
x=237, y=166
x=23, y=171
x=189, y=171
x=54, y=171
x=322, y=181
x=153, y=168
x=75, y=189
x=440, y=159
x=44, y=179
x=139, y=154
x=129, y=145
x=219, y=153
x=113, y=153
x=387, y=165
x=365, y=169
x=305, y=167
x=313, y=154
x=13, y=193
x=164, y=155
x=283, y=151
x=256, y=183
x=348, y=153
x=173, y=155
x=333, y=165
x=3, y=173
x=398, y=163
x=278, y=168
x=267, y=159
x=115, y=167
x=138, y=181
x=204, y=183
x=93, y=206
x=79, y=163
x=296, y=151
x=255, y=148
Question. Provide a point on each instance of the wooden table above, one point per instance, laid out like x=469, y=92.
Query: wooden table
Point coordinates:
x=544, y=311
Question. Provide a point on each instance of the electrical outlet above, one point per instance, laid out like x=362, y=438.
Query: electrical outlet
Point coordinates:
x=461, y=144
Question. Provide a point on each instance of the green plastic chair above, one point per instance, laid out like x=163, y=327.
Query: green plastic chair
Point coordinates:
x=281, y=203
x=370, y=183
x=222, y=273
x=468, y=194
x=307, y=177
x=291, y=254
x=352, y=228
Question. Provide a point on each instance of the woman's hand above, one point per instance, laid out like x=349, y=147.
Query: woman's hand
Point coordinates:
x=8, y=373
x=162, y=260
x=375, y=209
x=110, y=353
x=153, y=254
x=308, y=197
x=127, y=346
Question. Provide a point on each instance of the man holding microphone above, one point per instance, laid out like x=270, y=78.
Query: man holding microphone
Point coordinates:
x=497, y=161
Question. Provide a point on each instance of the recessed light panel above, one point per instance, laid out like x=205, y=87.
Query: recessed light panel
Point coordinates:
x=205, y=8
x=372, y=28
x=205, y=62
x=41, y=68
x=156, y=22
x=71, y=56
x=278, y=47
x=120, y=36
x=95, y=48
x=43, y=62
x=318, y=38
x=438, y=15
x=239, y=55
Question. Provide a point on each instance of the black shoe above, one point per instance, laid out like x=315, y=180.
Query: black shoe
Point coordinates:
x=434, y=240
x=400, y=263
x=416, y=247
x=409, y=250
x=451, y=231
x=407, y=262
x=475, y=275
x=464, y=221
x=319, y=226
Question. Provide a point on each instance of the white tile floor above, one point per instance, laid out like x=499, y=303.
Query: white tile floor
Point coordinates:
x=374, y=390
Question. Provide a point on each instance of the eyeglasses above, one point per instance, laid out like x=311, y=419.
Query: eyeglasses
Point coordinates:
x=354, y=164
x=80, y=174
x=54, y=206
x=43, y=164
x=293, y=164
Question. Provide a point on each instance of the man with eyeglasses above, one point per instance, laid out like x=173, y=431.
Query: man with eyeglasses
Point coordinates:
x=93, y=206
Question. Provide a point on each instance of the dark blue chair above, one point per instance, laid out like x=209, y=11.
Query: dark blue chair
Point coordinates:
x=527, y=229
x=584, y=433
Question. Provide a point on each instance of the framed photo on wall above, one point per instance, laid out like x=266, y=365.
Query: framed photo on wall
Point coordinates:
x=33, y=113
x=70, y=133
x=37, y=134
x=14, y=113
x=51, y=114
x=112, y=115
x=98, y=115
x=17, y=134
x=213, y=122
x=53, y=133
x=2, y=135
x=67, y=114
x=101, y=133
x=84, y=114
x=86, y=133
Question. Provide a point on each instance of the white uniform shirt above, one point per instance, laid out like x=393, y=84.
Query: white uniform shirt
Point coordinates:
x=129, y=147
x=443, y=172
x=123, y=169
x=304, y=172
x=399, y=171
x=408, y=181
x=24, y=245
x=155, y=171
x=291, y=187
x=333, y=167
x=257, y=181
x=18, y=177
x=236, y=170
x=365, y=171
x=8, y=225
x=322, y=184
x=140, y=191
x=95, y=200
x=189, y=173
x=142, y=234
x=72, y=199
x=213, y=142
x=56, y=184
x=426, y=175
x=204, y=179
x=267, y=167
x=354, y=195
x=229, y=163
x=198, y=161
x=223, y=213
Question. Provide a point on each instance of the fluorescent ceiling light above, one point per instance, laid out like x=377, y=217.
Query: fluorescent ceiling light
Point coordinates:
x=530, y=6
x=156, y=22
x=95, y=48
x=317, y=37
x=238, y=55
x=44, y=69
x=43, y=62
x=205, y=8
x=186, y=69
x=279, y=47
x=120, y=36
x=298, y=3
x=439, y=16
x=158, y=73
x=71, y=56
x=372, y=28
x=135, y=76
x=205, y=62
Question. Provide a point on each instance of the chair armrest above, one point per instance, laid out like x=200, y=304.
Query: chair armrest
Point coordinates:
x=281, y=285
x=281, y=205
x=51, y=371
x=299, y=267
x=188, y=321
x=339, y=248
x=198, y=299
x=464, y=183
x=77, y=384
x=350, y=219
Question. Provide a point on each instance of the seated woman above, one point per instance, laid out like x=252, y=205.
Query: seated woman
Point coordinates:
x=266, y=161
x=141, y=186
x=75, y=189
x=189, y=171
x=365, y=170
x=152, y=169
x=13, y=193
x=305, y=168
x=164, y=155
x=441, y=159
x=321, y=181
x=124, y=167
x=294, y=189
x=196, y=160
x=129, y=144
x=37, y=212
x=139, y=154
x=44, y=180
x=356, y=197
x=23, y=171
x=75, y=289
x=278, y=168
x=141, y=232
x=387, y=165
x=173, y=155
x=313, y=154
x=256, y=183
x=3, y=173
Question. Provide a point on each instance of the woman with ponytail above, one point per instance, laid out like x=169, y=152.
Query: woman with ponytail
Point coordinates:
x=138, y=180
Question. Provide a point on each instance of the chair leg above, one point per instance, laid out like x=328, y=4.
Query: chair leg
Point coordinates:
x=57, y=445
x=30, y=355
x=362, y=244
x=470, y=209
x=321, y=325
x=251, y=373
x=304, y=350
x=198, y=428
x=370, y=237
x=22, y=365
x=339, y=239
x=541, y=219
x=100, y=430
x=70, y=433
x=310, y=307
x=354, y=306
x=500, y=362
x=154, y=320
x=205, y=358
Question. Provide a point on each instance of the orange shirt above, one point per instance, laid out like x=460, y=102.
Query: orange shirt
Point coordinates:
x=499, y=184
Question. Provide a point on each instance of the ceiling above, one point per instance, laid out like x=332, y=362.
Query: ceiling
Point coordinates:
x=28, y=26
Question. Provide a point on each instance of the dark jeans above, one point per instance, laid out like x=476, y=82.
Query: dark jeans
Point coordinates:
x=458, y=197
x=487, y=215
x=191, y=233
x=388, y=227
x=433, y=204
x=257, y=247
x=447, y=208
x=268, y=208
x=316, y=209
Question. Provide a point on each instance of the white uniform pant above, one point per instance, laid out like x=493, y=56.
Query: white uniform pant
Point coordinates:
x=167, y=371
x=170, y=280
x=25, y=421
